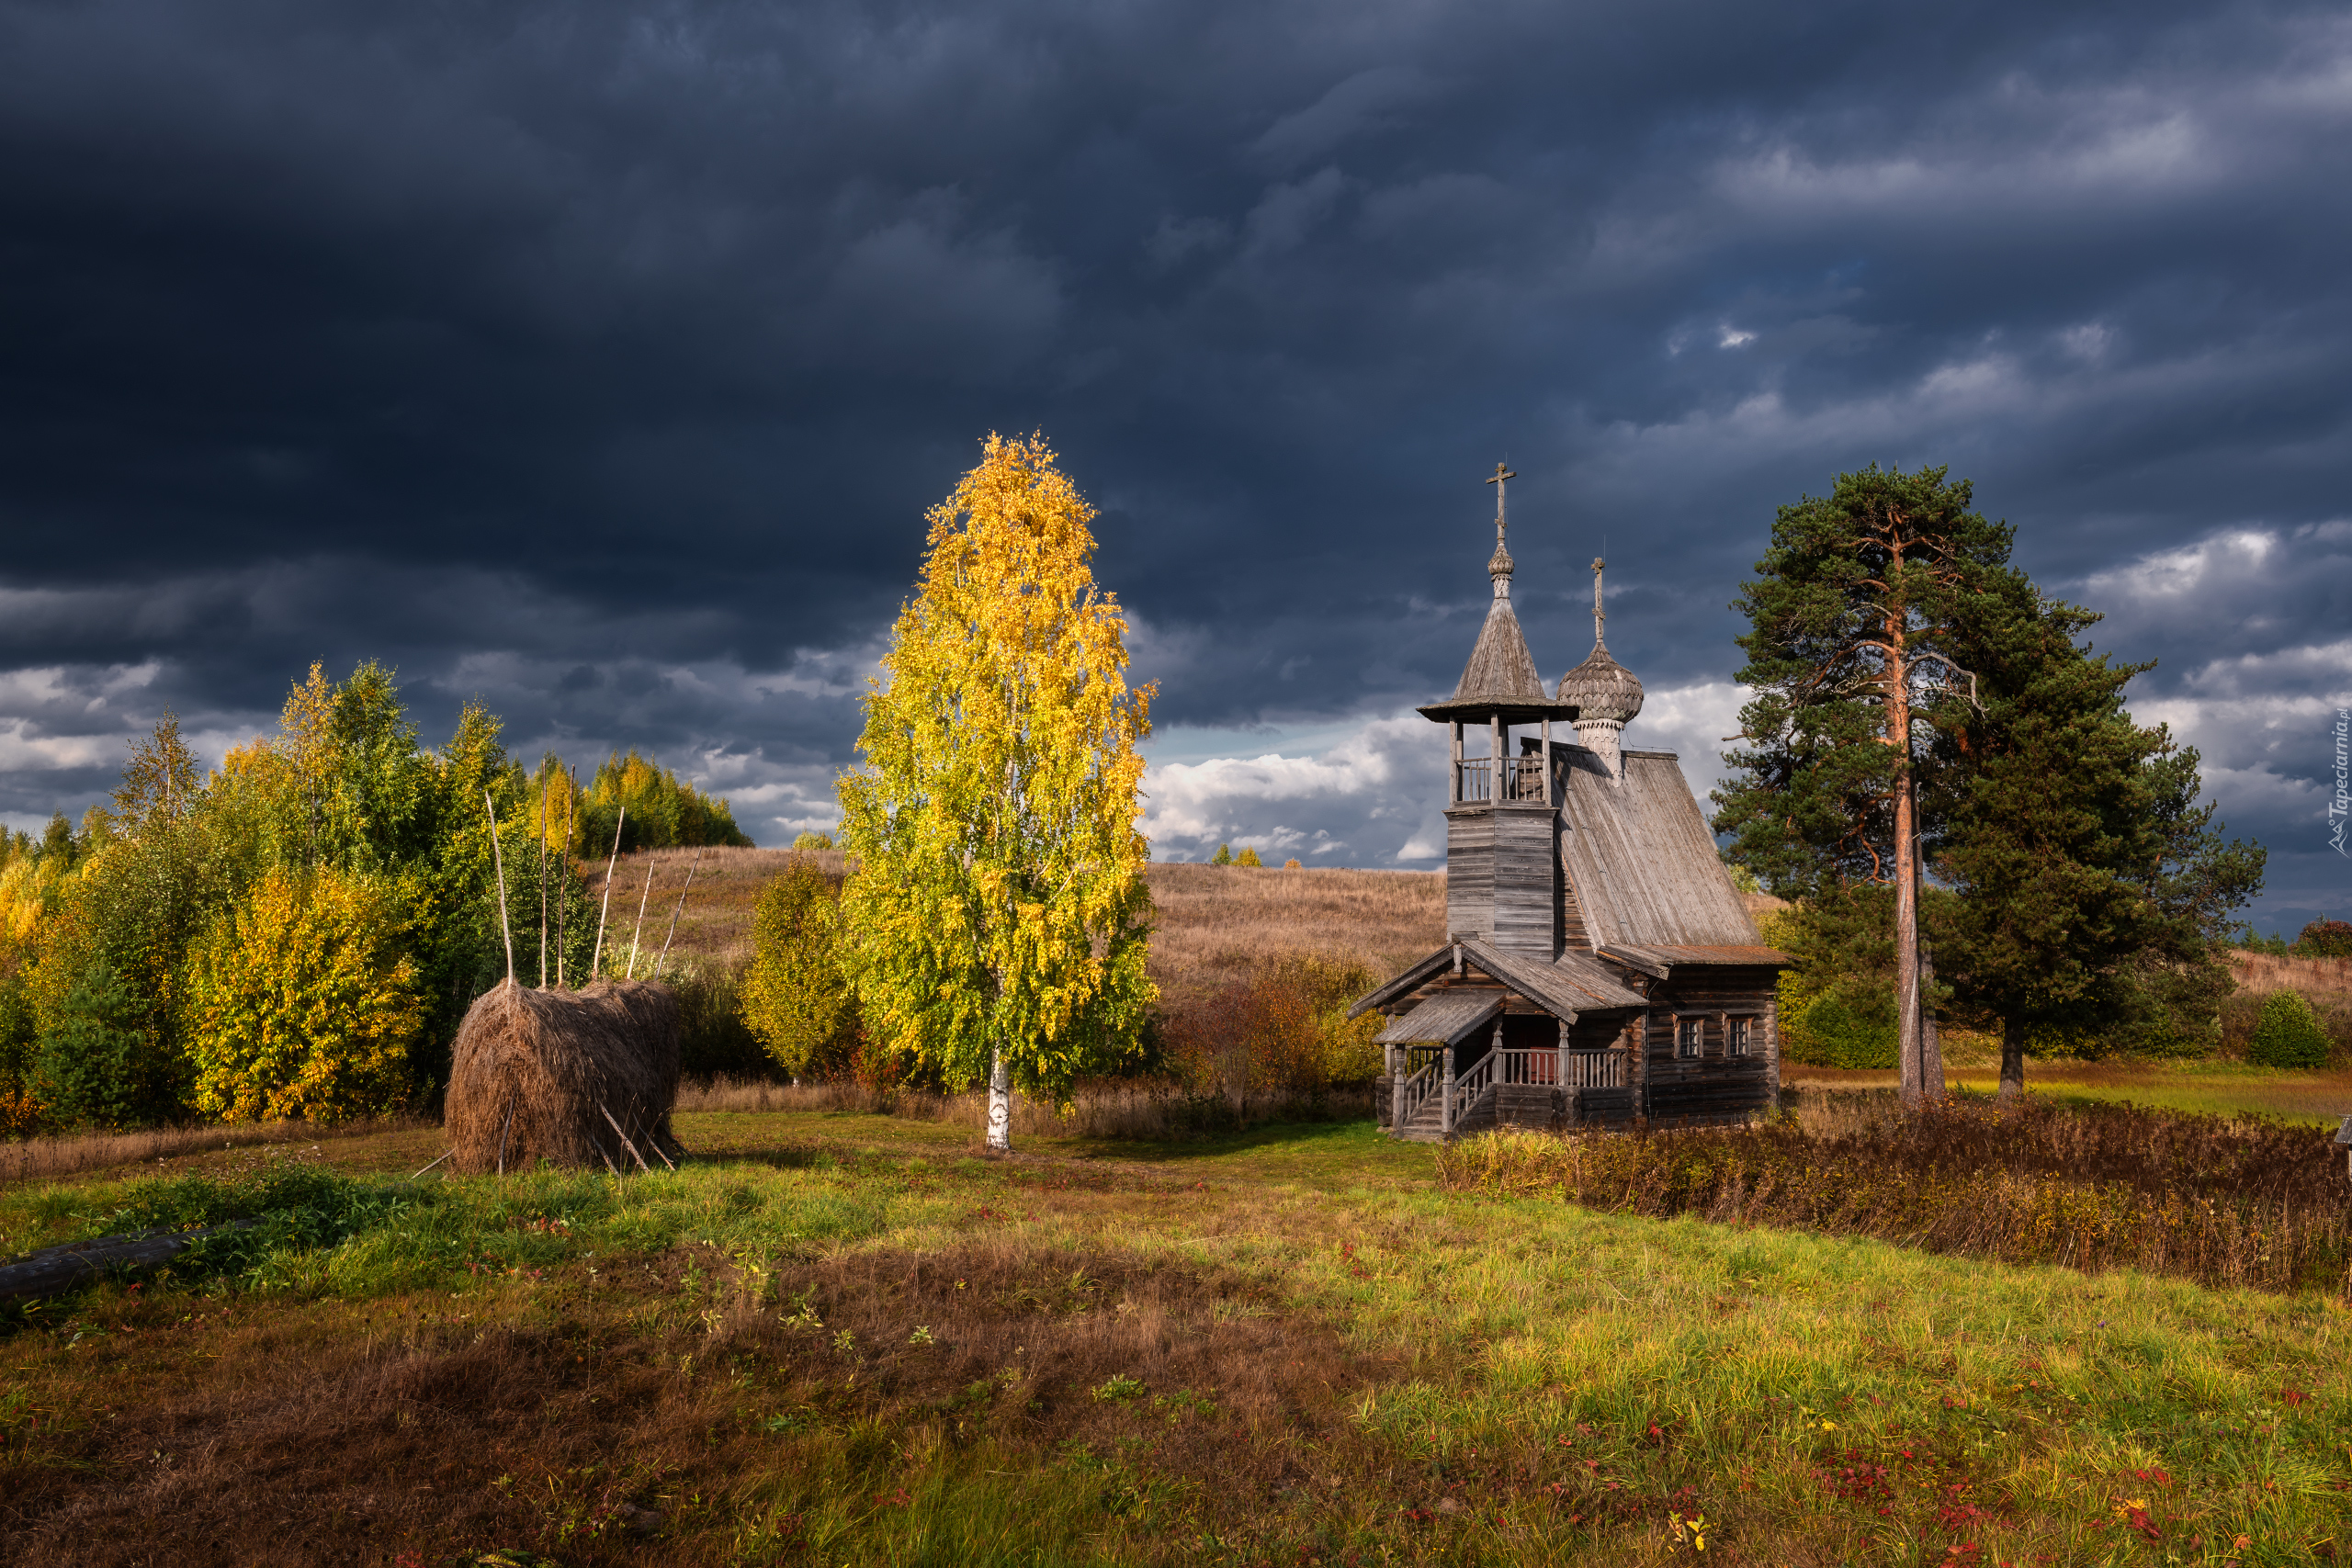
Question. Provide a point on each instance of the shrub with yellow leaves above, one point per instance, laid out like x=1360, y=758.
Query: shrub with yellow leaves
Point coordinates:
x=299, y=1002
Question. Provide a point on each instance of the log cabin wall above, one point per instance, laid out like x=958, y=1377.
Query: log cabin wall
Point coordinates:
x=1714, y=1086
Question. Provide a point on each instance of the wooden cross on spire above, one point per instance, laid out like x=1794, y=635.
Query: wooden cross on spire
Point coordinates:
x=1502, y=473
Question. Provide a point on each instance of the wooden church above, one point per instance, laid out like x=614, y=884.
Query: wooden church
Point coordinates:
x=1600, y=967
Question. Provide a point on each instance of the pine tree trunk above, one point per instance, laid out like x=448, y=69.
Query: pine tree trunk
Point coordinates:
x=2012, y=1059
x=1906, y=895
x=1931, y=1050
x=1000, y=1104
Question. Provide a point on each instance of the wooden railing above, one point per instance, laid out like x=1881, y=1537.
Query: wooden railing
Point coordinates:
x=1547, y=1067
x=1418, y=1090
x=1598, y=1069
x=1552, y=1068
x=1523, y=779
x=1469, y=1085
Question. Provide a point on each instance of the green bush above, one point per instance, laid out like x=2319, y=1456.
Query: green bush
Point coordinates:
x=2288, y=1034
x=2325, y=939
x=1846, y=1026
x=794, y=997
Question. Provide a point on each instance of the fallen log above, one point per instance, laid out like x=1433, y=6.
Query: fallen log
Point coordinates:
x=54, y=1271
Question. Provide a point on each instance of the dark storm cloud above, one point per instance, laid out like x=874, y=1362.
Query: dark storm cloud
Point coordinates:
x=600, y=361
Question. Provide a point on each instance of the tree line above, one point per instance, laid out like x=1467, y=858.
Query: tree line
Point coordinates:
x=299, y=931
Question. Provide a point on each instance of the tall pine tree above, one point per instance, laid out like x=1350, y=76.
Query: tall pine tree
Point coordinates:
x=2095, y=887
x=1852, y=613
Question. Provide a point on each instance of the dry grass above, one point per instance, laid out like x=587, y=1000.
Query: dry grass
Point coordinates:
x=1215, y=921
x=1217, y=924
x=840, y=1341
x=716, y=921
x=573, y=1077
x=2220, y=1201
x=35, y=1158
x=2322, y=981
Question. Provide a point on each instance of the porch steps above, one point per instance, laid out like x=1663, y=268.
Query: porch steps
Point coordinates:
x=1478, y=1116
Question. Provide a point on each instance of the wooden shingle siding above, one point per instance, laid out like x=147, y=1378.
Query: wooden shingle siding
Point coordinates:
x=1502, y=875
x=1640, y=861
x=1469, y=870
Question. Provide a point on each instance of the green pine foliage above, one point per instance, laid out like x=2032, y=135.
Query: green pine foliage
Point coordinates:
x=1224, y=856
x=100, y=1062
x=2095, y=887
x=664, y=811
x=2288, y=1034
x=1812, y=799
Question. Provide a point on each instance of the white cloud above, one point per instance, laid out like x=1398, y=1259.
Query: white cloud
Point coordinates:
x=1376, y=795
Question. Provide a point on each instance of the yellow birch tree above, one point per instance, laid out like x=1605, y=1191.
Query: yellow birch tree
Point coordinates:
x=995, y=917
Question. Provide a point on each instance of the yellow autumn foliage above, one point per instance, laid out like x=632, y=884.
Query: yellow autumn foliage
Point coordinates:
x=300, y=1003
x=997, y=899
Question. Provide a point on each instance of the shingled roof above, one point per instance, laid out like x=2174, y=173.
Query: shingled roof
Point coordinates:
x=1642, y=868
x=1571, y=983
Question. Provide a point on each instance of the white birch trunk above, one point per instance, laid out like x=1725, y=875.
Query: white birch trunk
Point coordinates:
x=1000, y=1104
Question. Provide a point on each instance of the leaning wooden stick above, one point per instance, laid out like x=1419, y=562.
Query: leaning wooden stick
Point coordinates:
x=594, y=962
x=638, y=930
x=623, y=1137
x=497, y=860
x=444, y=1155
x=653, y=1141
x=679, y=911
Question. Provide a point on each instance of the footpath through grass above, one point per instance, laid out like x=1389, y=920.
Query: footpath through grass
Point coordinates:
x=845, y=1340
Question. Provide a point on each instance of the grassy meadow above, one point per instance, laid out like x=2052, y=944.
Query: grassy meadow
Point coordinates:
x=842, y=1338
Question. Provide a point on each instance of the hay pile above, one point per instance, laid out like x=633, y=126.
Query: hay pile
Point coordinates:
x=578, y=1078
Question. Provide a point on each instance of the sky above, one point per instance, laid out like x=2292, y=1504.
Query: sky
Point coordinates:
x=599, y=362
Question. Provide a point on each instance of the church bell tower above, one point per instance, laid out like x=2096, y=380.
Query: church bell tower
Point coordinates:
x=1502, y=863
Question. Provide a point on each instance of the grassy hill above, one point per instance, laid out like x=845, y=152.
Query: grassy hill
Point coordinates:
x=1214, y=920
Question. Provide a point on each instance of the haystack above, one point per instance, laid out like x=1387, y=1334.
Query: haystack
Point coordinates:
x=577, y=1078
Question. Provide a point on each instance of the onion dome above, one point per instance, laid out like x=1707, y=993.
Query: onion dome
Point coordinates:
x=1602, y=690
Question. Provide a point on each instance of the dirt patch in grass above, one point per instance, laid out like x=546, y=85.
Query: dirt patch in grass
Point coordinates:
x=639, y=1415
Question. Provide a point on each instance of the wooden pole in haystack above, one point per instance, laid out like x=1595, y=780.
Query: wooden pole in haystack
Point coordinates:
x=638, y=929
x=597, y=959
x=498, y=860
x=542, y=837
x=679, y=911
x=563, y=905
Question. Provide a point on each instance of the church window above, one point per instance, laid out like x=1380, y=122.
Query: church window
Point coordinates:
x=1688, y=1035
x=1737, y=1033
